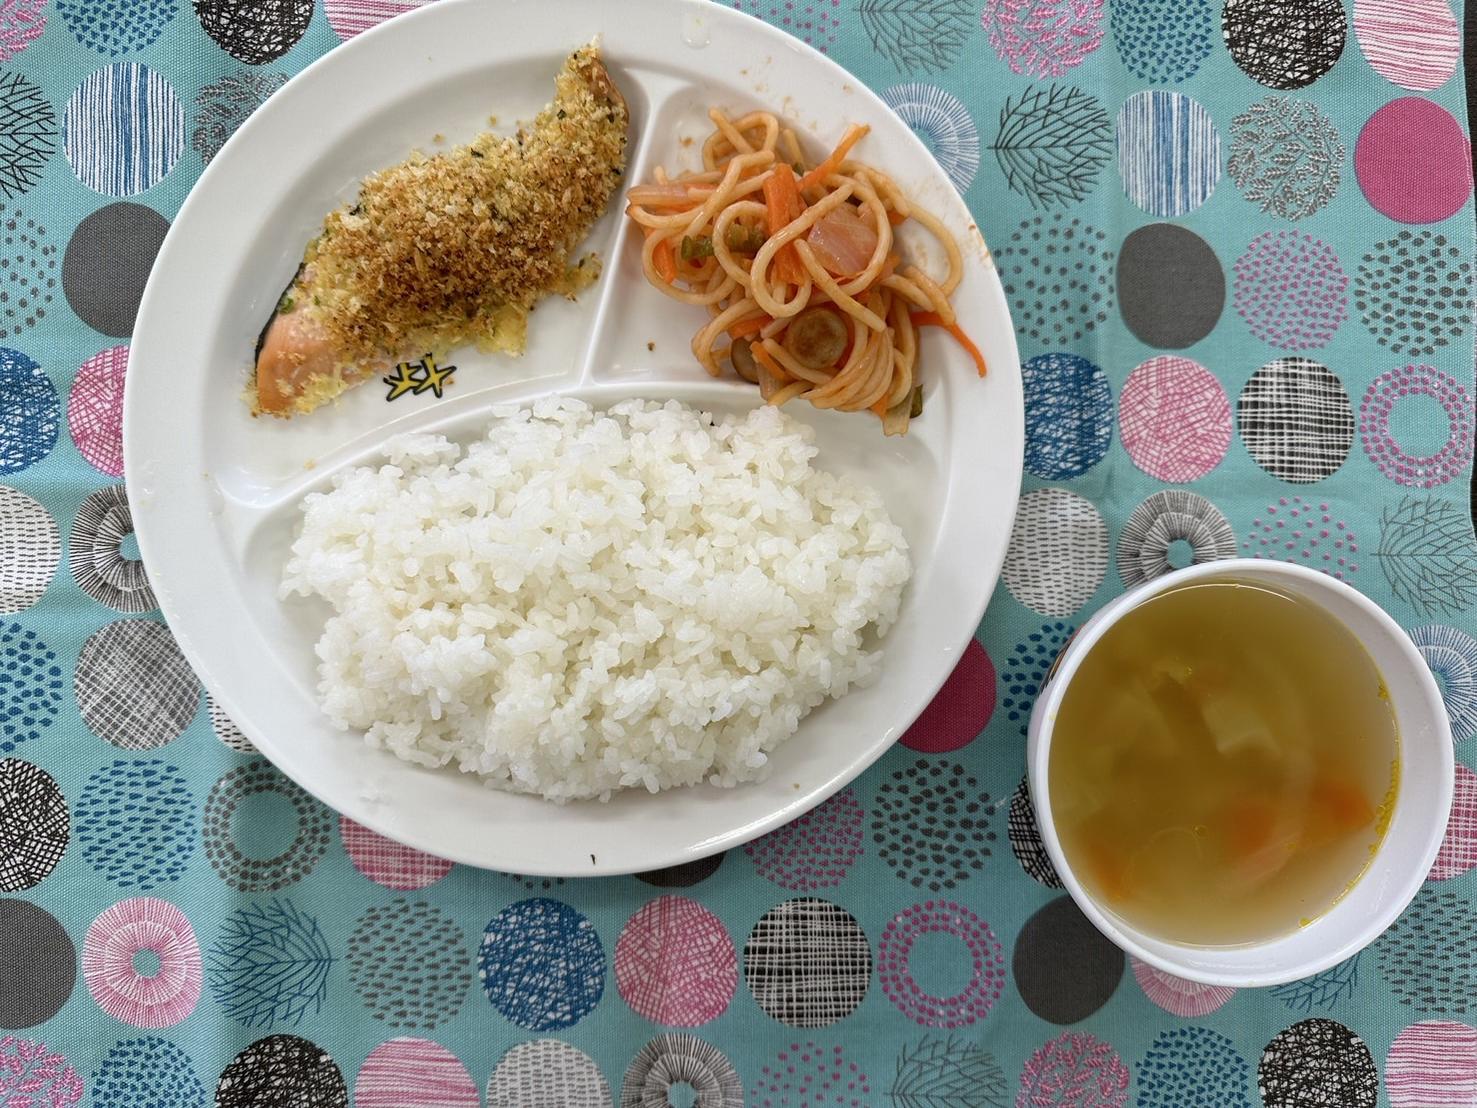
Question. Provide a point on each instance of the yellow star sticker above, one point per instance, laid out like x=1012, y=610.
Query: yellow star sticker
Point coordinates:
x=435, y=377
x=403, y=380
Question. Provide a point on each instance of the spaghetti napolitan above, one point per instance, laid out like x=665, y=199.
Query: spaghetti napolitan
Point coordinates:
x=800, y=270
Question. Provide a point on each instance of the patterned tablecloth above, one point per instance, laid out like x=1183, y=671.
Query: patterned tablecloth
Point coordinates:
x=1238, y=241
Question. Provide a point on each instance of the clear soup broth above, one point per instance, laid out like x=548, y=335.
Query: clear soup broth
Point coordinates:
x=1224, y=764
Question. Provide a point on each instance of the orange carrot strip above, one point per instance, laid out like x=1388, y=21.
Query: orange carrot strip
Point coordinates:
x=818, y=175
x=776, y=370
x=752, y=325
x=896, y=218
x=784, y=204
x=933, y=319
x=665, y=259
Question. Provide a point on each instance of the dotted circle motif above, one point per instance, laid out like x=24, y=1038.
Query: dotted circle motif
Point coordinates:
x=124, y=129
x=30, y=548
x=1290, y=290
x=223, y=105
x=255, y=31
x=388, y=863
x=1297, y=530
x=986, y=963
x=95, y=410
x=1286, y=156
x=1295, y=419
x=240, y=870
x=1177, y=996
x=1192, y=1065
x=161, y=998
x=930, y=823
x=116, y=27
x=1056, y=271
x=1058, y=552
x=282, y=1069
x=678, y=1058
x=1452, y=655
x=816, y=22
x=1069, y=415
x=134, y=687
x=1175, y=419
x=1169, y=152
x=1163, y=41
x=408, y=1071
x=1282, y=45
x=1074, y=1071
x=27, y=131
x=944, y=124
x=136, y=823
x=675, y=964
x=95, y=554
x=542, y=964
x=147, y=1070
x=1025, y=838
x=1429, y=954
x=1318, y=1063
x=814, y=851
x=1146, y=543
x=30, y=686
x=30, y=416
x=1424, y=471
x=35, y=825
x=807, y=962
x=808, y=1074
x=547, y=1073
x=1027, y=667
x=225, y=728
x=407, y=960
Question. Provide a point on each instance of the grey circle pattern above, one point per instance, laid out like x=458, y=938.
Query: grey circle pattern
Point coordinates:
x=807, y=962
x=107, y=264
x=1064, y=967
x=1429, y=955
x=1057, y=273
x=1171, y=287
x=680, y=1058
x=223, y=105
x=314, y=828
x=225, y=728
x=35, y=825
x=38, y=967
x=28, y=280
x=30, y=548
x=1286, y=156
x=134, y=687
x=1296, y=420
x=1025, y=839
x=931, y=824
x=1167, y=517
x=1414, y=292
x=1058, y=552
x=408, y=961
x=95, y=554
x=547, y=1073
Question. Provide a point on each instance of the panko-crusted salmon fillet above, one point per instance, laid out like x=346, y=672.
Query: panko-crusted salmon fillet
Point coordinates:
x=449, y=249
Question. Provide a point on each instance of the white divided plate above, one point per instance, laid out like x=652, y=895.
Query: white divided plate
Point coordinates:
x=215, y=493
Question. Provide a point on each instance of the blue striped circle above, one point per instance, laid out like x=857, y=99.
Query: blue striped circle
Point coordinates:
x=1169, y=152
x=124, y=129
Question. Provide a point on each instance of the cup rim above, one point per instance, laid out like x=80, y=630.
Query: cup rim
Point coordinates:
x=1127, y=938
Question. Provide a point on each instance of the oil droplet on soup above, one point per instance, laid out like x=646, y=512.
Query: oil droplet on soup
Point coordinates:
x=1224, y=764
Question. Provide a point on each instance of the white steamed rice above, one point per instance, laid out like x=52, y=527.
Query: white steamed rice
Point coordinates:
x=586, y=601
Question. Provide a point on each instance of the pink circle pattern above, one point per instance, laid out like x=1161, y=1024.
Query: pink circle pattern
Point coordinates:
x=95, y=410
x=1433, y=1064
x=1413, y=161
x=962, y=708
x=987, y=964
x=1411, y=43
x=675, y=964
x=1290, y=290
x=414, y=1071
x=1177, y=996
x=388, y=863
x=812, y=21
x=353, y=17
x=807, y=1075
x=21, y=23
x=1458, y=853
x=1043, y=38
x=161, y=999
x=34, y=1076
x=1074, y=1071
x=1420, y=471
x=1175, y=419
x=1297, y=530
x=815, y=851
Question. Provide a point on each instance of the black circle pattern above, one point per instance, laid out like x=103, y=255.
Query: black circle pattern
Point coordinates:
x=1295, y=419
x=38, y=965
x=679, y=1058
x=1057, y=272
x=27, y=273
x=1025, y=839
x=1064, y=967
x=408, y=962
x=240, y=870
x=27, y=134
x=683, y=875
x=134, y=687
x=282, y=1071
x=946, y=1072
x=1318, y=1063
x=255, y=31
x=95, y=554
x=35, y=826
x=1167, y=517
x=1413, y=292
x=807, y=962
x=1285, y=44
x=930, y=822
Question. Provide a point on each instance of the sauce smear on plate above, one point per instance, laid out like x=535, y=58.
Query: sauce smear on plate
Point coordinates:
x=1224, y=765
